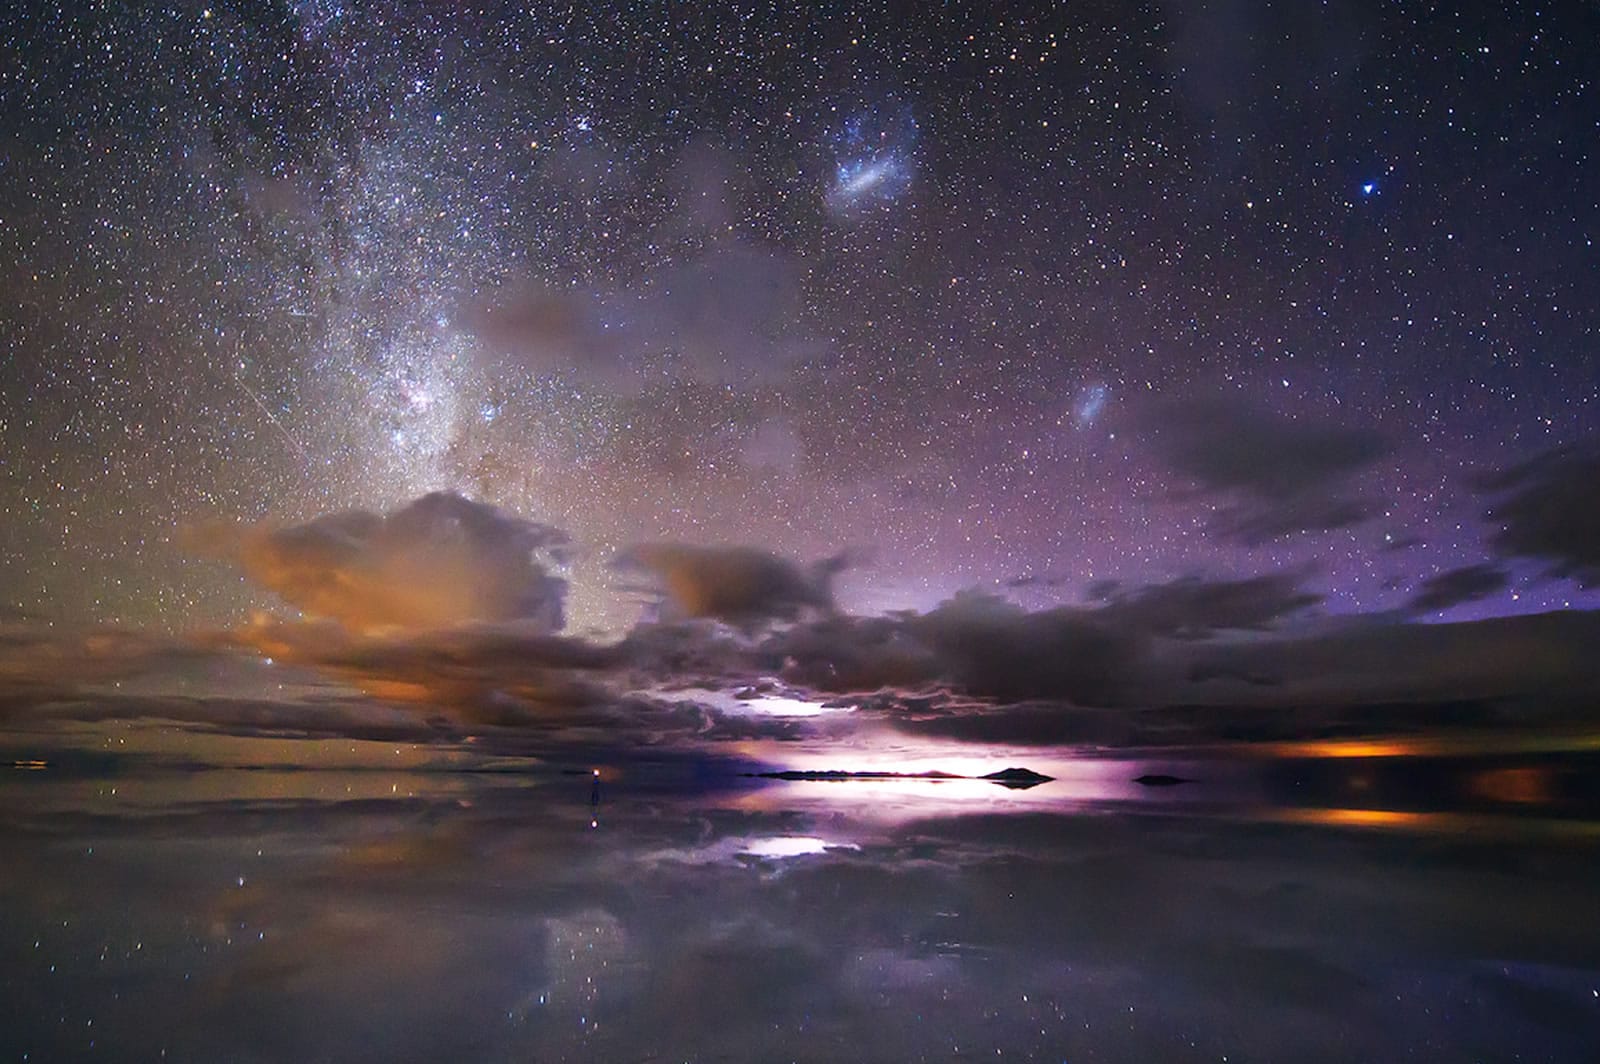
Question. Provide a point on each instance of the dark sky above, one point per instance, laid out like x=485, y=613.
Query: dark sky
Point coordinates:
x=1021, y=297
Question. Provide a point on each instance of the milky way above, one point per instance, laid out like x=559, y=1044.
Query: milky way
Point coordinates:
x=928, y=286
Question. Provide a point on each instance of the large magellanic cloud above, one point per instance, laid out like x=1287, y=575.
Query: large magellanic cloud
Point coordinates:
x=442, y=559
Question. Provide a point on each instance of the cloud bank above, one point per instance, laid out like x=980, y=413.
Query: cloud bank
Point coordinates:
x=439, y=622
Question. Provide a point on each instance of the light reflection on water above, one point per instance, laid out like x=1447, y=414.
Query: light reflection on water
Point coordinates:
x=1253, y=914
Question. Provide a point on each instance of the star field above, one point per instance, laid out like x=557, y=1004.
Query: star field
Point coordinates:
x=927, y=284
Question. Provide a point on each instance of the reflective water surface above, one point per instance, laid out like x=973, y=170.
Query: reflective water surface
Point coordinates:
x=1294, y=912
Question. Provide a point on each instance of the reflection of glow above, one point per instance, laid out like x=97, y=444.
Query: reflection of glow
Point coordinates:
x=1435, y=823
x=769, y=848
x=896, y=800
x=1526, y=785
x=781, y=846
x=909, y=759
x=1366, y=818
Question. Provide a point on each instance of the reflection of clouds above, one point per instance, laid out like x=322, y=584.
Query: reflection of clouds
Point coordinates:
x=495, y=925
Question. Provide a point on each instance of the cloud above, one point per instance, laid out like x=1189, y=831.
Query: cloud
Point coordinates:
x=506, y=674
x=1256, y=523
x=978, y=644
x=1191, y=606
x=991, y=648
x=741, y=586
x=1452, y=588
x=1548, y=508
x=1190, y=660
x=1277, y=476
x=985, y=647
x=439, y=560
x=842, y=654
x=728, y=317
x=1355, y=661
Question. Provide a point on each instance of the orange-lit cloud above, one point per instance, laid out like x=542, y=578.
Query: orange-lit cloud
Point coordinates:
x=440, y=560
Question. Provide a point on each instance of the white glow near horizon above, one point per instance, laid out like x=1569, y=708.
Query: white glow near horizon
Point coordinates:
x=781, y=706
x=780, y=846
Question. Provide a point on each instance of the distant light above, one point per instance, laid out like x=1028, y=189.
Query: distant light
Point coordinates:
x=785, y=846
x=1369, y=188
x=781, y=706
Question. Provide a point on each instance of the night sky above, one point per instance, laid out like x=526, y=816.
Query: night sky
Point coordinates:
x=1016, y=298
x=639, y=531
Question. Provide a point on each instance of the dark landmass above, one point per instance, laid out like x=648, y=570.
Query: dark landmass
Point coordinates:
x=1017, y=778
x=1158, y=779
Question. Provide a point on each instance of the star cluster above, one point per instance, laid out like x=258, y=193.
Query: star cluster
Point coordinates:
x=929, y=285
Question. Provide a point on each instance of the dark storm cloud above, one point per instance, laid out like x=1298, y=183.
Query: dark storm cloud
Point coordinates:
x=1548, y=508
x=977, y=644
x=726, y=318
x=1365, y=678
x=988, y=648
x=1275, y=475
x=1369, y=659
x=742, y=586
x=841, y=654
x=1030, y=723
x=1444, y=590
x=1192, y=606
x=441, y=559
x=991, y=648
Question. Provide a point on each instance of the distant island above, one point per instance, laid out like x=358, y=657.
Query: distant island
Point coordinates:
x=1014, y=778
